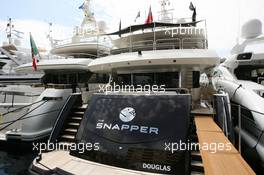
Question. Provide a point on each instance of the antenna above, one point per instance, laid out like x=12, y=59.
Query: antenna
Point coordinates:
x=88, y=15
x=49, y=35
x=9, y=27
x=10, y=32
x=165, y=14
x=50, y=29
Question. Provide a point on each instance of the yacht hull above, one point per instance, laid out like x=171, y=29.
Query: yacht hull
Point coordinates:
x=156, y=59
x=57, y=65
x=84, y=49
x=35, y=120
x=252, y=111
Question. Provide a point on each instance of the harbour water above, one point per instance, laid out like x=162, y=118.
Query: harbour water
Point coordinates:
x=15, y=159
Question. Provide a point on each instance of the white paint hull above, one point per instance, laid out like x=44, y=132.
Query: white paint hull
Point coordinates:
x=80, y=48
x=158, y=60
x=57, y=65
x=244, y=93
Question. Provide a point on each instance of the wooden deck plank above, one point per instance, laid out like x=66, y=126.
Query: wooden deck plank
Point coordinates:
x=204, y=123
x=223, y=160
x=64, y=161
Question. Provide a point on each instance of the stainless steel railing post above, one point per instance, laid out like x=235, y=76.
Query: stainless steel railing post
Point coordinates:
x=130, y=40
x=239, y=128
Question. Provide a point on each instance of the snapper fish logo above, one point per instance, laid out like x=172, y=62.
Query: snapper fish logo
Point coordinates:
x=127, y=114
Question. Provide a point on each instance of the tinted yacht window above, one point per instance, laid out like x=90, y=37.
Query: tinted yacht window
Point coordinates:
x=143, y=79
x=132, y=131
x=169, y=79
x=248, y=72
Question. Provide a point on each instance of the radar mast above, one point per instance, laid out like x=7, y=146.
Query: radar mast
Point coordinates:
x=166, y=12
x=88, y=15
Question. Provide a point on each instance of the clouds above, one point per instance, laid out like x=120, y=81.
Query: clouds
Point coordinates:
x=39, y=31
x=223, y=18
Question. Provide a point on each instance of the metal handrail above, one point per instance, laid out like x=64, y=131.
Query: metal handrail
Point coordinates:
x=240, y=126
x=251, y=110
x=65, y=111
x=83, y=39
x=21, y=117
x=182, y=40
x=140, y=43
x=168, y=43
x=15, y=94
x=154, y=46
x=157, y=45
x=175, y=20
x=79, y=53
x=199, y=41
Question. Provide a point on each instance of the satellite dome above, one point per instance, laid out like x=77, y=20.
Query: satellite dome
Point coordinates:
x=251, y=29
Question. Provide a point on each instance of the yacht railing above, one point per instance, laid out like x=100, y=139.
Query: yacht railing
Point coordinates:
x=194, y=43
x=174, y=20
x=164, y=44
x=173, y=43
x=242, y=120
x=102, y=41
x=28, y=114
x=79, y=54
x=186, y=36
x=13, y=98
x=71, y=41
x=240, y=125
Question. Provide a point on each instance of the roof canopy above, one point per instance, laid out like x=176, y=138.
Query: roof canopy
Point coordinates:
x=152, y=25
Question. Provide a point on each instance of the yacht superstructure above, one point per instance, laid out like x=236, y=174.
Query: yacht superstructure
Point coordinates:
x=247, y=58
x=174, y=49
x=241, y=76
x=33, y=120
x=152, y=92
x=87, y=40
x=13, y=55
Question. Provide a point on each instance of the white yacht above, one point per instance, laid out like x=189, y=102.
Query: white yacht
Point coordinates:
x=32, y=117
x=3, y=61
x=14, y=54
x=154, y=72
x=241, y=76
x=87, y=40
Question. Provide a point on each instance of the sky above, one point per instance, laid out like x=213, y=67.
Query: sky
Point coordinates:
x=224, y=18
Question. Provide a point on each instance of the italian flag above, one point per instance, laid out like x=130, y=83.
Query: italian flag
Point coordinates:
x=34, y=53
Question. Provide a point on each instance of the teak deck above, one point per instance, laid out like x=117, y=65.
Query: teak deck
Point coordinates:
x=224, y=161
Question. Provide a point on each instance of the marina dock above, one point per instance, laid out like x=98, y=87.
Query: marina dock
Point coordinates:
x=227, y=162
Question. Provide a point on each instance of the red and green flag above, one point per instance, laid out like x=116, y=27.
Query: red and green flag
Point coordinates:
x=150, y=17
x=34, y=53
